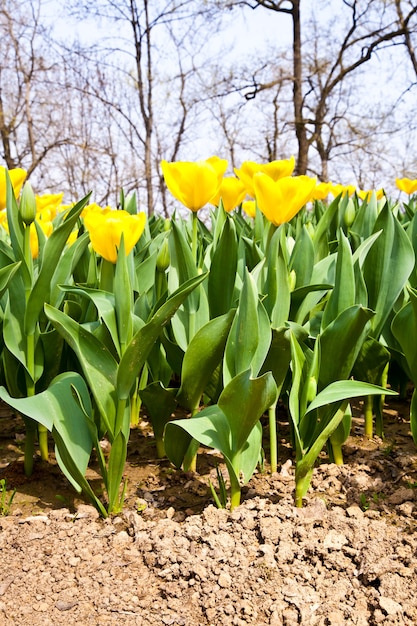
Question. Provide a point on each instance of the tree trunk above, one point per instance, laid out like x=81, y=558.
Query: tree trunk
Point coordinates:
x=300, y=127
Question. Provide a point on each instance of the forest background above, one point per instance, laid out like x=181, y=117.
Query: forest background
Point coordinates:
x=93, y=95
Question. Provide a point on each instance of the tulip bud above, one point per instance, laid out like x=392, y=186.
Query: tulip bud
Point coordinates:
x=163, y=259
x=292, y=280
x=311, y=389
x=290, y=244
x=27, y=206
x=350, y=213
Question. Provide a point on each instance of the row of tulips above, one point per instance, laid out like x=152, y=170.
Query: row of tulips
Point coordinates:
x=307, y=303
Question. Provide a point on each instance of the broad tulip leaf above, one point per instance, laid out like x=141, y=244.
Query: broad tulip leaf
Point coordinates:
x=64, y=271
x=222, y=277
x=123, y=297
x=387, y=267
x=243, y=339
x=404, y=328
x=371, y=361
x=344, y=390
x=160, y=404
x=244, y=400
x=57, y=410
x=211, y=429
x=117, y=460
x=98, y=365
x=54, y=246
x=277, y=289
x=141, y=344
x=201, y=358
x=183, y=267
x=341, y=342
x=302, y=258
x=104, y=303
x=343, y=292
x=6, y=275
x=364, y=223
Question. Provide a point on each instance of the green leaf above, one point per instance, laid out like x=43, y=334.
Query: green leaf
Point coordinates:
x=201, y=358
x=277, y=289
x=6, y=275
x=344, y=390
x=123, y=297
x=160, y=404
x=54, y=246
x=343, y=293
x=243, y=339
x=244, y=400
x=302, y=258
x=404, y=328
x=387, y=267
x=57, y=410
x=183, y=267
x=138, y=349
x=117, y=460
x=222, y=277
x=104, y=303
x=341, y=342
x=98, y=365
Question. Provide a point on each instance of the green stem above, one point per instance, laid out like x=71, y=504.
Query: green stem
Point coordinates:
x=190, y=460
x=235, y=492
x=273, y=443
x=379, y=421
x=194, y=233
x=160, y=448
x=337, y=454
x=369, y=416
x=43, y=442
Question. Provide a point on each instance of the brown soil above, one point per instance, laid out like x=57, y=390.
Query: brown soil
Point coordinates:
x=171, y=558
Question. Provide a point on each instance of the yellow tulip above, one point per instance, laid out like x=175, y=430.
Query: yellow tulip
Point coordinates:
x=249, y=206
x=17, y=178
x=274, y=169
x=107, y=227
x=407, y=184
x=232, y=191
x=321, y=191
x=366, y=195
x=194, y=184
x=280, y=200
x=47, y=228
x=48, y=204
x=337, y=188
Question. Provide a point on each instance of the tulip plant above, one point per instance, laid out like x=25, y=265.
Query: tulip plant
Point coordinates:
x=292, y=293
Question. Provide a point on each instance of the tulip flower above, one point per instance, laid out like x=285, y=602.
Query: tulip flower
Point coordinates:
x=274, y=169
x=249, y=206
x=337, y=188
x=48, y=204
x=17, y=178
x=366, y=195
x=280, y=200
x=194, y=184
x=47, y=228
x=407, y=184
x=321, y=191
x=232, y=191
x=107, y=227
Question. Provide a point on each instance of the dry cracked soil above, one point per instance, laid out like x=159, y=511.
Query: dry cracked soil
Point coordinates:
x=171, y=558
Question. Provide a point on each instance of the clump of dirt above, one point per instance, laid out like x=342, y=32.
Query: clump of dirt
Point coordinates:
x=171, y=558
